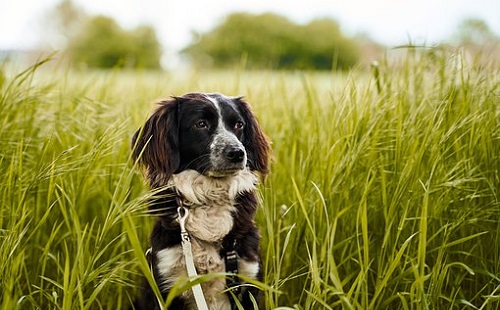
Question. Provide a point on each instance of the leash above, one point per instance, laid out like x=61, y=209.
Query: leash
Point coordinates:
x=230, y=259
x=188, y=256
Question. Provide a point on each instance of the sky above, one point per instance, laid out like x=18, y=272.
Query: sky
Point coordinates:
x=391, y=22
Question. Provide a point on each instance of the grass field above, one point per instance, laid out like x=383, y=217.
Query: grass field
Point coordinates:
x=384, y=192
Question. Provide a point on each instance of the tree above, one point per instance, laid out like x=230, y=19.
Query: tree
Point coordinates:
x=327, y=47
x=146, y=48
x=102, y=43
x=263, y=39
x=272, y=41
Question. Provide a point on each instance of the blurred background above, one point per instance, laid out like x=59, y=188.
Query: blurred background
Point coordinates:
x=261, y=34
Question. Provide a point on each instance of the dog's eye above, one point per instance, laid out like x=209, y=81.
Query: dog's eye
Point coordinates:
x=201, y=125
x=239, y=125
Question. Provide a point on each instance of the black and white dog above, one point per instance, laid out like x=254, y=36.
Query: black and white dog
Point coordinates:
x=206, y=151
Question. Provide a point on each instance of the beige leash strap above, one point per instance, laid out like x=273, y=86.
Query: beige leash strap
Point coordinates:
x=183, y=213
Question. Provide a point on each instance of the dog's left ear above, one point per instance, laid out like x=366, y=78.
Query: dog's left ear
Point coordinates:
x=255, y=141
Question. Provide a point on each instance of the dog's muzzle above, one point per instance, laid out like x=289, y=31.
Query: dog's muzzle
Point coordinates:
x=228, y=155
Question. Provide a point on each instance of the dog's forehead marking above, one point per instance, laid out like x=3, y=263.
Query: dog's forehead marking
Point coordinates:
x=221, y=131
x=221, y=102
x=226, y=107
x=213, y=99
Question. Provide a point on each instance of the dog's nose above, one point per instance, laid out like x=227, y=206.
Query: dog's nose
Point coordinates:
x=235, y=155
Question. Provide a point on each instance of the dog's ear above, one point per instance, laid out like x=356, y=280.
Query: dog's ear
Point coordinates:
x=156, y=144
x=255, y=141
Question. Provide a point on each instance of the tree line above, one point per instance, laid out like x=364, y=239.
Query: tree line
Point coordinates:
x=264, y=41
x=272, y=41
x=258, y=41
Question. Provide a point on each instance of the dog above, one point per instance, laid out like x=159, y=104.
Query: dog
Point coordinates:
x=204, y=152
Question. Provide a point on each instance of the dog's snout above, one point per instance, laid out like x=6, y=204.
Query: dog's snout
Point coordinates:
x=235, y=154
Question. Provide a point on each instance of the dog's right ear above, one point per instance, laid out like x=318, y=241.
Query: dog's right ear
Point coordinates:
x=156, y=144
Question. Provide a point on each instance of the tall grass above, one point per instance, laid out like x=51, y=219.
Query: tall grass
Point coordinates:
x=384, y=194
x=390, y=200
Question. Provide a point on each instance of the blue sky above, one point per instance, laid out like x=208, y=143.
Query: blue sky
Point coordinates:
x=391, y=22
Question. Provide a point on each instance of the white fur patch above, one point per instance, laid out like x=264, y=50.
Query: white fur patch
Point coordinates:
x=211, y=201
x=198, y=189
x=171, y=266
x=248, y=269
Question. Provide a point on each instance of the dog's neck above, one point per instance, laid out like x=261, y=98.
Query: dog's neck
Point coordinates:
x=199, y=190
x=211, y=201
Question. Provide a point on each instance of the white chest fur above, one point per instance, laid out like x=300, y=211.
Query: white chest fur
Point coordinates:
x=211, y=201
x=211, y=204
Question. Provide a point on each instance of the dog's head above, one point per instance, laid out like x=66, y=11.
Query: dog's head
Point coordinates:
x=215, y=135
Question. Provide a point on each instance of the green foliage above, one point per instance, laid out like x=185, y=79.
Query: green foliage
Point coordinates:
x=272, y=41
x=102, y=43
x=379, y=198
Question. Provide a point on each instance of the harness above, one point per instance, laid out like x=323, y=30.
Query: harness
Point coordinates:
x=233, y=281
